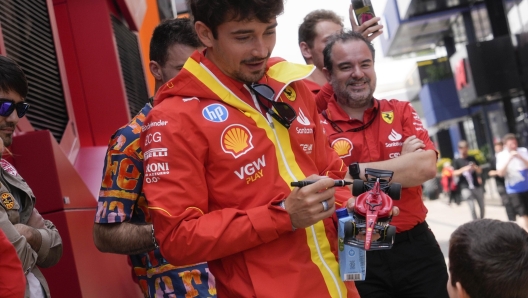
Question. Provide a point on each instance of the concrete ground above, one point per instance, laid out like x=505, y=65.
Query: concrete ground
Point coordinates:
x=443, y=218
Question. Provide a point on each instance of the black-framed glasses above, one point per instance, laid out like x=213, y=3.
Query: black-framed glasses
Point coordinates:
x=7, y=106
x=283, y=113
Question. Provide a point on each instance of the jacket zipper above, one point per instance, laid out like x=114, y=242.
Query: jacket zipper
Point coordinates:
x=312, y=229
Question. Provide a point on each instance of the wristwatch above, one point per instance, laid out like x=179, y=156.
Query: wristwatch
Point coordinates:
x=354, y=170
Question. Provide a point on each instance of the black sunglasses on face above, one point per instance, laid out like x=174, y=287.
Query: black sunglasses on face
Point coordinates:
x=283, y=113
x=7, y=107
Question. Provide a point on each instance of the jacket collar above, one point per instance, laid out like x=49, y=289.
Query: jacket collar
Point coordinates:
x=335, y=113
x=201, y=78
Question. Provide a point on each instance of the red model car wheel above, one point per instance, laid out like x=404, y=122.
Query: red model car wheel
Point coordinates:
x=394, y=191
x=358, y=187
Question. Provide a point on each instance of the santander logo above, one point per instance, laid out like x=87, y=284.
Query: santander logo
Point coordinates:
x=302, y=118
x=394, y=136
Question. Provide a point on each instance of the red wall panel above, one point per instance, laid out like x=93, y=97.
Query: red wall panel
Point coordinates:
x=83, y=271
x=74, y=78
x=49, y=173
x=89, y=49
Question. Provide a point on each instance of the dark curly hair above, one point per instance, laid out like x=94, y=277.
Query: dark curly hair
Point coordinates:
x=169, y=32
x=342, y=38
x=307, y=28
x=490, y=259
x=12, y=77
x=216, y=12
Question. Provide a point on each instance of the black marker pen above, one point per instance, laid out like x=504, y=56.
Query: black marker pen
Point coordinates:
x=308, y=182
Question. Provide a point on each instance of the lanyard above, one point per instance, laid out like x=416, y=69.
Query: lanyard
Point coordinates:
x=362, y=127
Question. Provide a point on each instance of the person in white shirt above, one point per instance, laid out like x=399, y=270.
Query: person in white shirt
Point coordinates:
x=512, y=164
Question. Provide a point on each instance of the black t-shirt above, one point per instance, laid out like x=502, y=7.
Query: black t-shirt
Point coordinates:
x=462, y=162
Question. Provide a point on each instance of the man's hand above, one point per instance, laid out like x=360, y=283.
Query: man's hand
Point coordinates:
x=515, y=154
x=305, y=204
x=365, y=29
x=33, y=236
x=471, y=167
x=36, y=221
x=412, y=144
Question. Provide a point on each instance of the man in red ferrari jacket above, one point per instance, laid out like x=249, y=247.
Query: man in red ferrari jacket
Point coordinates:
x=231, y=132
x=386, y=135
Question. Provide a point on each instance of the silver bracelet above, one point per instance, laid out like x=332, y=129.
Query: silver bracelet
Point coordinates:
x=154, y=238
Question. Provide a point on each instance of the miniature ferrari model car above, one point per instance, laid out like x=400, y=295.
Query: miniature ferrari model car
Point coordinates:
x=371, y=229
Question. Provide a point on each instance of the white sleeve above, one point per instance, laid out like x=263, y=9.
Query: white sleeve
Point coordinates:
x=502, y=158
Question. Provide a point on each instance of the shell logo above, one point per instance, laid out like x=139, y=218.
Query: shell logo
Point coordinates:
x=236, y=140
x=343, y=147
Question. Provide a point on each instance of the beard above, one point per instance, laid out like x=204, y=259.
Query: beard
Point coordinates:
x=352, y=98
x=249, y=78
x=254, y=76
x=7, y=139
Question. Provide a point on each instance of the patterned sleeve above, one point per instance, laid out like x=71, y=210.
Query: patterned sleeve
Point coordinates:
x=121, y=198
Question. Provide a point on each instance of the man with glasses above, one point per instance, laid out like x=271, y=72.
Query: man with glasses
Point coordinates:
x=238, y=128
x=122, y=221
x=36, y=240
x=386, y=135
x=468, y=171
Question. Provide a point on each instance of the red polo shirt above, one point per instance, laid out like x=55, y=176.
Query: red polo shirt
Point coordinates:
x=389, y=123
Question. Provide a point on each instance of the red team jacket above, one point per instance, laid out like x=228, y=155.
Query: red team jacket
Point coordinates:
x=12, y=278
x=394, y=122
x=213, y=190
